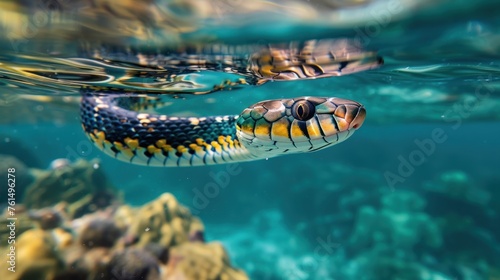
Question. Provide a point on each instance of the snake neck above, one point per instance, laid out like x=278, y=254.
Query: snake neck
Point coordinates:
x=159, y=140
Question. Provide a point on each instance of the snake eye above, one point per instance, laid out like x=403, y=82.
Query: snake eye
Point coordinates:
x=303, y=110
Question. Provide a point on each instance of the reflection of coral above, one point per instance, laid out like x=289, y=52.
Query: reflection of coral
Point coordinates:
x=83, y=187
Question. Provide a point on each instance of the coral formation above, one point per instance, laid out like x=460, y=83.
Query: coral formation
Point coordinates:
x=72, y=226
x=99, y=233
x=352, y=228
x=37, y=254
x=81, y=186
x=201, y=261
x=46, y=218
x=355, y=227
x=400, y=223
x=387, y=243
x=468, y=217
x=133, y=264
x=331, y=207
x=162, y=221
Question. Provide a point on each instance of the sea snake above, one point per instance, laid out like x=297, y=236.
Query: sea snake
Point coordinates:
x=264, y=130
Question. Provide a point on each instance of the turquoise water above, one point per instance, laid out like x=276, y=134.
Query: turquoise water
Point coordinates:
x=413, y=194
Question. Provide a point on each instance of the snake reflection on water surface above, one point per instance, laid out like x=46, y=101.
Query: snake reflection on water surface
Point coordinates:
x=263, y=130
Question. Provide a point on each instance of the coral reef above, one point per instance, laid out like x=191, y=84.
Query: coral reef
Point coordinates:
x=390, y=242
x=332, y=207
x=160, y=240
x=82, y=186
x=201, y=261
x=72, y=225
x=400, y=223
x=468, y=217
x=37, y=256
x=133, y=264
x=355, y=227
x=162, y=221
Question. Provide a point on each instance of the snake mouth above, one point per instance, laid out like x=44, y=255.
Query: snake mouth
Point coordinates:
x=358, y=121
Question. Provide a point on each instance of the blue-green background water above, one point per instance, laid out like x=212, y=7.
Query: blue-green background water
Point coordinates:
x=347, y=212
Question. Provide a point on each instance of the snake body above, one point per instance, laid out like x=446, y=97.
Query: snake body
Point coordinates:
x=267, y=129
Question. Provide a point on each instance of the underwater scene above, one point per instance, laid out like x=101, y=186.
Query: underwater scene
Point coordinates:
x=267, y=140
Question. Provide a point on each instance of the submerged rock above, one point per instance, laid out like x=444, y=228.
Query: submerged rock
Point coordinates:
x=202, y=262
x=134, y=263
x=163, y=221
x=99, y=233
x=48, y=218
x=80, y=185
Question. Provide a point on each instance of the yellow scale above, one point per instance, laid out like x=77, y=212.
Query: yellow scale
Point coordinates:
x=129, y=145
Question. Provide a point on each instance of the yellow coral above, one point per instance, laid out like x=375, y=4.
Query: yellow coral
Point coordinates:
x=36, y=257
x=201, y=261
x=164, y=221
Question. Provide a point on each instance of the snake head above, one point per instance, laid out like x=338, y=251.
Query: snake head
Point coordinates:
x=302, y=124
